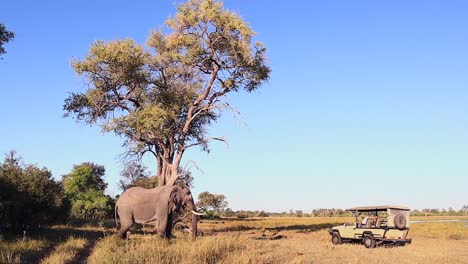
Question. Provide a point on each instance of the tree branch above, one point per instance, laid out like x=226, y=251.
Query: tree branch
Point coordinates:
x=206, y=140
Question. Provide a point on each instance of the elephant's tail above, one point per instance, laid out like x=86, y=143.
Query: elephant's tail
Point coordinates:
x=116, y=215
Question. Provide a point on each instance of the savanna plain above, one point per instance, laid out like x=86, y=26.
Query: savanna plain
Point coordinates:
x=230, y=240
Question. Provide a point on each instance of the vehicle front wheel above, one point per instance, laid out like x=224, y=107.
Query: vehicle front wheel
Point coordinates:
x=336, y=239
x=369, y=242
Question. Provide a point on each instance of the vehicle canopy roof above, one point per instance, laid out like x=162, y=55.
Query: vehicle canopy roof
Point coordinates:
x=378, y=208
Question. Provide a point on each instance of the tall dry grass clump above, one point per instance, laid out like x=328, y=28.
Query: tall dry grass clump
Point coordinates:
x=152, y=249
x=19, y=250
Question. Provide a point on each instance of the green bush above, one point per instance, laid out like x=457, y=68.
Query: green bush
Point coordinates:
x=84, y=189
x=30, y=196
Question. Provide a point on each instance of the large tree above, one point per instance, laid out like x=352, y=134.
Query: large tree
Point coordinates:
x=161, y=98
x=5, y=36
x=207, y=201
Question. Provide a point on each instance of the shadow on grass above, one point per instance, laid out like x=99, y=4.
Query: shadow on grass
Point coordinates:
x=298, y=228
x=52, y=237
x=303, y=228
x=224, y=220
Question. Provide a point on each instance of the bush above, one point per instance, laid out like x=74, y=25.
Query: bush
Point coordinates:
x=84, y=189
x=210, y=215
x=29, y=196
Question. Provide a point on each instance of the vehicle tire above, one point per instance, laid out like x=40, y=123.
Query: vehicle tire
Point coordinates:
x=400, y=221
x=336, y=239
x=368, y=241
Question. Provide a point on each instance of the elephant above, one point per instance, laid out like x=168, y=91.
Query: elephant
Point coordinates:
x=140, y=205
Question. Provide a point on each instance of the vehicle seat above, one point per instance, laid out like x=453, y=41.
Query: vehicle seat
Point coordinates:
x=381, y=222
x=364, y=222
x=370, y=223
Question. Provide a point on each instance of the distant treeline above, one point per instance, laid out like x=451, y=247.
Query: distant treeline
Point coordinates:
x=335, y=213
x=441, y=212
x=292, y=213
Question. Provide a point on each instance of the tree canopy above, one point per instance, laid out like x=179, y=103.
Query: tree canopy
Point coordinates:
x=5, y=36
x=208, y=201
x=162, y=97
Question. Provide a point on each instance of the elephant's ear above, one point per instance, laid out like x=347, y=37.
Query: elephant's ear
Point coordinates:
x=175, y=199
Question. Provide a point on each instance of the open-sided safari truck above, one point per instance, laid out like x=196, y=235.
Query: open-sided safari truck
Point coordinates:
x=374, y=225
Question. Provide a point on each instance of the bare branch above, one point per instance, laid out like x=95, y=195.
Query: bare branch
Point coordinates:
x=193, y=163
x=206, y=140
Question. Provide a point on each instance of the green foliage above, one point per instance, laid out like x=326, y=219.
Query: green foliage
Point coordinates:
x=5, y=36
x=161, y=98
x=208, y=202
x=91, y=204
x=210, y=214
x=29, y=195
x=84, y=189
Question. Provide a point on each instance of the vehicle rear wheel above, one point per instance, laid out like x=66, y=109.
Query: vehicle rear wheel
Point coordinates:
x=368, y=241
x=336, y=239
x=400, y=221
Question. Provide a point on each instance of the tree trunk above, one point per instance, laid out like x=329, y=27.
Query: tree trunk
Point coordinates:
x=160, y=166
x=162, y=179
x=174, y=170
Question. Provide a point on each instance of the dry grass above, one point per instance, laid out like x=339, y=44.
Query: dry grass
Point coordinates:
x=37, y=244
x=305, y=240
x=314, y=247
x=152, y=249
x=19, y=251
x=233, y=241
x=455, y=231
x=317, y=248
x=65, y=251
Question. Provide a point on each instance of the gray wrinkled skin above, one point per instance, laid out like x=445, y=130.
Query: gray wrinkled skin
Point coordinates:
x=140, y=205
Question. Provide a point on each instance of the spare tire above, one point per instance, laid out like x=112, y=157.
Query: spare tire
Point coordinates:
x=400, y=221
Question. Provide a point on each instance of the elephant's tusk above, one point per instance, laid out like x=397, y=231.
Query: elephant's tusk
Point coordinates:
x=195, y=213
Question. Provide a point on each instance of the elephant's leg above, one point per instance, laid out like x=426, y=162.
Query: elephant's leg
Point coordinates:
x=161, y=231
x=168, y=230
x=125, y=224
x=161, y=228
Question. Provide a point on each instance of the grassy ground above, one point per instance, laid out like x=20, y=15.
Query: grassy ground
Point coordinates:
x=300, y=240
x=58, y=244
x=66, y=251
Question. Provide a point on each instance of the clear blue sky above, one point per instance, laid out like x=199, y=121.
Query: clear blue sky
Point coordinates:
x=367, y=102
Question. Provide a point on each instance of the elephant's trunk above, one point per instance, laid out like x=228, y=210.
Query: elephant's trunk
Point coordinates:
x=194, y=226
x=194, y=219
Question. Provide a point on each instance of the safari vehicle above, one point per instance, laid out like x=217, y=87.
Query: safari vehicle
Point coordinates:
x=375, y=225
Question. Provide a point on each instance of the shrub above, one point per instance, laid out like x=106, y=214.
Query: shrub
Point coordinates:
x=84, y=189
x=30, y=196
